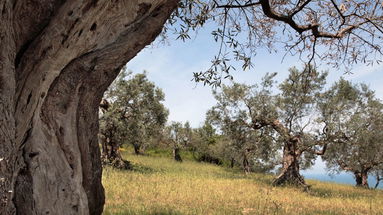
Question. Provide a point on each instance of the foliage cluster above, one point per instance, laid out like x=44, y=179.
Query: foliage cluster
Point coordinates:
x=132, y=113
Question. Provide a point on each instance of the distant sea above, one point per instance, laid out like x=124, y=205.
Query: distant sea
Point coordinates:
x=342, y=178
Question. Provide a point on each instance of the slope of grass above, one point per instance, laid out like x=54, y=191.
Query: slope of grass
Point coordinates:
x=159, y=185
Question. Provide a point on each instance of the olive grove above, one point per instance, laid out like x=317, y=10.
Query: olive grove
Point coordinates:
x=58, y=57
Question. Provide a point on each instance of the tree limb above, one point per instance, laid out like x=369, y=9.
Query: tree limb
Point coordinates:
x=251, y=4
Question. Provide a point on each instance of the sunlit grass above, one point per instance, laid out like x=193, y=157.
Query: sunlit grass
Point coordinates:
x=159, y=185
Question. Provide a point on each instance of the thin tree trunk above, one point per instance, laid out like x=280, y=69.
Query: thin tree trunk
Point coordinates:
x=246, y=163
x=104, y=146
x=56, y=59
x=137, y=149
x=378, y=179
x=232, y=163
x=176, y=154
x=290, y=168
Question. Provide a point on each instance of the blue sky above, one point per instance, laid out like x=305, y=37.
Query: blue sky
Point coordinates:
x=171, y=67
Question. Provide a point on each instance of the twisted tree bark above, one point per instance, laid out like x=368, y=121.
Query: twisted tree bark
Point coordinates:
x=56, y=60
x=290, y=167
x=361, y=178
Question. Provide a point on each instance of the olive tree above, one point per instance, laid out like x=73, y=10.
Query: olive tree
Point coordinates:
x=204, y=142
x=134, y=114
x=178, y=136
x=283, y=118
x=251, y=148
x=111, y=137
x=354, y=116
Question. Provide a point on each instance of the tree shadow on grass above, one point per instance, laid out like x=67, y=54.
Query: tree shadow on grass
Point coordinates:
x=164, y=211
x=260, y=178
x=156, y=211
x=159, y=211
x=136, y=168
x=330, y=192
x=143, y=169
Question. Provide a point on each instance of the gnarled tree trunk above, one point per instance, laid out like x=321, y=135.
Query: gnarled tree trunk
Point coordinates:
x=291, y=155
x=110, y=143
x=361, y=178
x=290, y=167
x=110, y=154
x=56, y=59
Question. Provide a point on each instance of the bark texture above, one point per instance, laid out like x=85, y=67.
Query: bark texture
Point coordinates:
x=111, y=155
x=56, y=60
x=290, y=167
x=291, y=155
x=361, y=178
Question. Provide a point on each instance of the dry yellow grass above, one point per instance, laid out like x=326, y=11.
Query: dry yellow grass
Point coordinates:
x=159, y=185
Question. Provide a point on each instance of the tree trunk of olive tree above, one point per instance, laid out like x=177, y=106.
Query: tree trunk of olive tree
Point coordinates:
x=137, y=149
x=361, y=178
x=110, y=143
x=176, y=154
x=56, y=59
x=110, y=153
x=232, y=162
x=290, y=167
x=246, y=163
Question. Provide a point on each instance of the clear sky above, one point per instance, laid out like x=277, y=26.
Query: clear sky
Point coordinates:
x=171, y=68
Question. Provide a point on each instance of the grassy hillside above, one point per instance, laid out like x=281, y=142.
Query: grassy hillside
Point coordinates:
x=159, y=185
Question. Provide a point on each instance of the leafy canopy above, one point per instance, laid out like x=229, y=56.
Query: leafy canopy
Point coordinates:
x=136, y=109
x=339, y=32
x=354, y=115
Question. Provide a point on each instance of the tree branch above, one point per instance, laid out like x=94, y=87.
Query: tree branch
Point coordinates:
x=378, y=179
x=323, y=151
x=298, y=9
x=251, y=4
x=314, y=28
x=343, y=166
